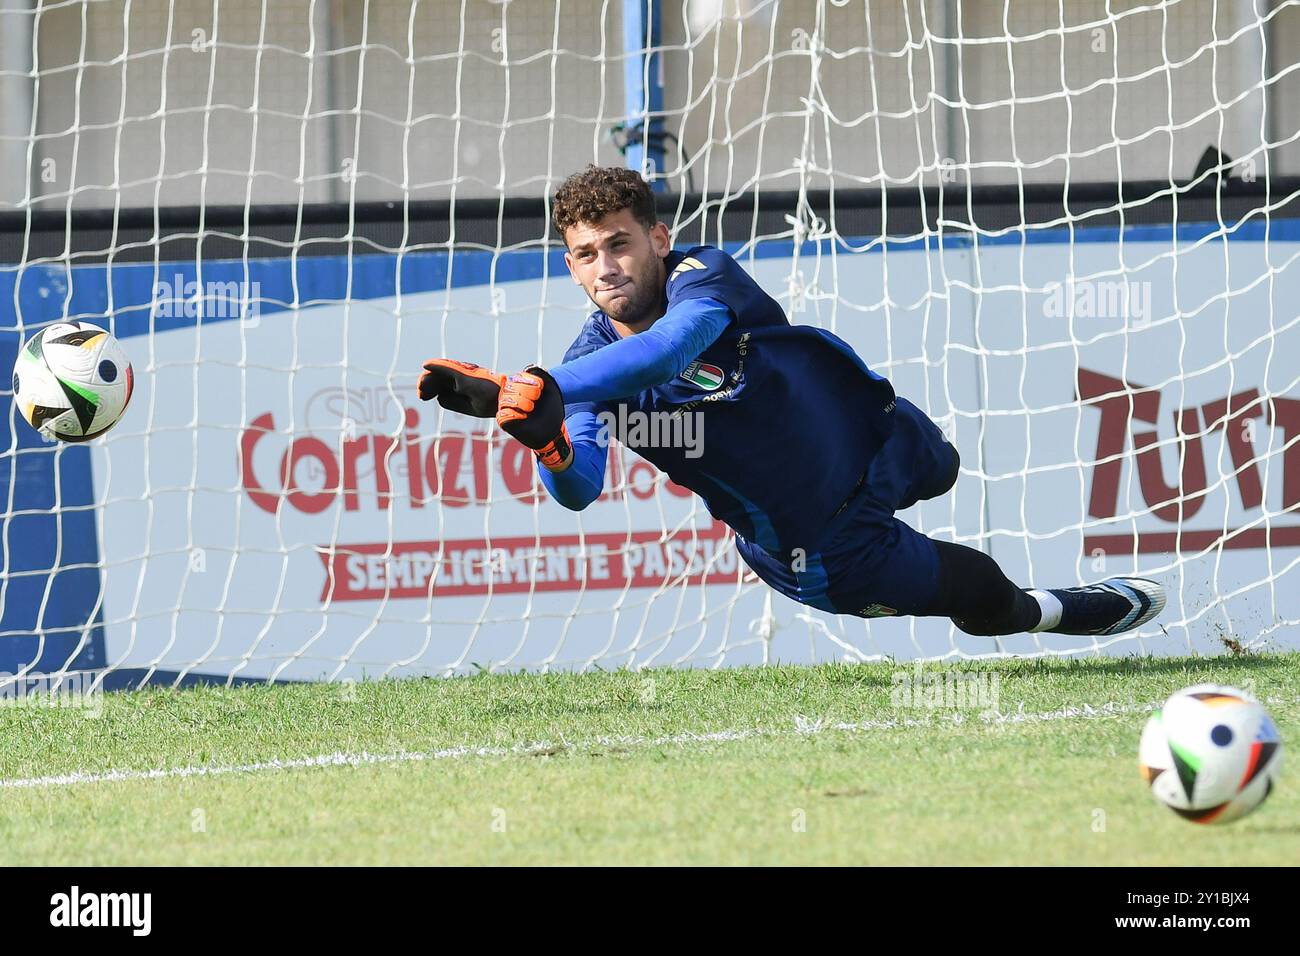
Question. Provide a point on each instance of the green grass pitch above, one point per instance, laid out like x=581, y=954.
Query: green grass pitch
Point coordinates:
x=778, y=765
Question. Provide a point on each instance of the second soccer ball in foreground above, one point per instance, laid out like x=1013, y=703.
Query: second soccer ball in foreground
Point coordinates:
x=1211, y=753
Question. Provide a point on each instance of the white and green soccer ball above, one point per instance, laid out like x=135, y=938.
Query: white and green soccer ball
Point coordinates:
x=72, y=381
x=1211, y=753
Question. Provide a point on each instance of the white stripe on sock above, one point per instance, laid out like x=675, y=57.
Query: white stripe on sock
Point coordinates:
x=1050, y=605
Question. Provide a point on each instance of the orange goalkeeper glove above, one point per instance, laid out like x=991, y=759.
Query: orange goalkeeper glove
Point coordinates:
x=462, y=387
x=531, y=409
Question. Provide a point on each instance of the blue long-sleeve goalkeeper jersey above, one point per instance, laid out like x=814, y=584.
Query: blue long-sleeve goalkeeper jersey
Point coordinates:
x=789, y=417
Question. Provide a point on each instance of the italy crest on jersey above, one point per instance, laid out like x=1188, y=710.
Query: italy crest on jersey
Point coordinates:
x=702, y=375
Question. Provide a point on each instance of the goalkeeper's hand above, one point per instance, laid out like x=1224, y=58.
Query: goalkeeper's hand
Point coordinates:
x=462, y=387
x=532, y=411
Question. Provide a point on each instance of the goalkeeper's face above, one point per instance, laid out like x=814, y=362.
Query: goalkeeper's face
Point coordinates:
x=620, y=264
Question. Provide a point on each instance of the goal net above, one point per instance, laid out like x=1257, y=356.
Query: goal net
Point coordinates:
x=1065, y=230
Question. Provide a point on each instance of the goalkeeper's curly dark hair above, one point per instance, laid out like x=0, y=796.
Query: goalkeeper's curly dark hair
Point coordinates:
x=598, y=191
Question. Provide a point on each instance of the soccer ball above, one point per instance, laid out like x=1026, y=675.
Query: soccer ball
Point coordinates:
x=72, y=381
x=1211, y=753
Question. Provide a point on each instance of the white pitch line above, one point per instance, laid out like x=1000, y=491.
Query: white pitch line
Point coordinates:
x=801, y=726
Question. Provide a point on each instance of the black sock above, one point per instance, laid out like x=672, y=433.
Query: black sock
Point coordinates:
x=978, y=597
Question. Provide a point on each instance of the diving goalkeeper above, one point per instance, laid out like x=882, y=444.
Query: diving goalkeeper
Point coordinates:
x=807, y=453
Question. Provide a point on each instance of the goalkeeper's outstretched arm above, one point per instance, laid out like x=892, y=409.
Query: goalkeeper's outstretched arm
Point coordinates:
x=552, y=411
x=647, y=359
x=579, y=481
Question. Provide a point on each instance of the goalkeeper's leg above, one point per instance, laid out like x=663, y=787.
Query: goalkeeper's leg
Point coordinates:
x=972, y=590
x=878, y=566
x=874, y=565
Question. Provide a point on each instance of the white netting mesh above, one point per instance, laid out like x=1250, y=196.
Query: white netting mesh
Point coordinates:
x=1117, y=372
